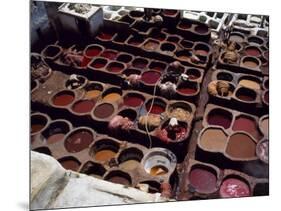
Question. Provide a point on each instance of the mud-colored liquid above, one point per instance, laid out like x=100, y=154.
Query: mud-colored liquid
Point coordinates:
x=84, y=106
x=241, y=146
x=104, y=155
x=129, y=165
x=249, y=84
x=213, y=140
x=104, y=110
x=55, y=138
x=233, y=187
x=250, y=64
x=203, y=180
x=70, y=165
x=78, y=141
x=63, y=100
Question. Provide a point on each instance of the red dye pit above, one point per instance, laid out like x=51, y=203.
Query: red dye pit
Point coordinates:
x=156, y=109
x=234, y=188
x=133, y=101
x=63, y=99
x=84, y=106
x=150, y=77
x=109, y=55
x=187, y=90
x=243, y=123
x=220, y=119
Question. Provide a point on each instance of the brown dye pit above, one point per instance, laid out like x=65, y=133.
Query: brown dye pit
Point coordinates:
x=129, y=165
x=151, y=45
x=104, y=155
x=158, y=170
x=83, y=106
x=119, y=180
x=213, y=139
x=249, y=84
x=78, y=141
x=63, y=99
x=36, y=127
x=70, y=164
x=250, y=64
x=104, y=110
x=241, y=146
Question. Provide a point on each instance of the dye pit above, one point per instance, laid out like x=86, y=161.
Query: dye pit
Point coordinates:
x=175, y=104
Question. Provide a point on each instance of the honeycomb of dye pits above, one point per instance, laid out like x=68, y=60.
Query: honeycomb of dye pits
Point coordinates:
x=104, y=150
x=103, y=110
x=219, y=117
x=63, y=98
x=133, y=100
x=213, y=139
x=241, y=146
x=56, y=131
x=83, y=106
x=39, y=122
x=264, y=124
x=233, y=187
x=203, y=179
x=262, y=150
x=70, y=163
x=78, y=140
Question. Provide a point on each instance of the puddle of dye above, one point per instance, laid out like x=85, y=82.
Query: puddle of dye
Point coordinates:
x=109, y=55
x=217, y=118
x=187, y=90
x=241, y=146
x=104, y=155
x=78, y=141
x=158, y=170
x=92, y=94
x=156, y=109
x=249, y=84
x=253, y=52
x=264, y=126
x=104, y=110
x=201, y=52
x=55, y=138
x=129, y=165
x=233, y=187
x=83, y=106
x=93, y=52
x=202, y=180
x=246, y=124
x=112, y=97
x=236, y=38
x=36, y=127
x=70, y=165
x=250, y=64
x=119, y=180
x=151, y=45
x=150, y=77
x=133, y=101
x=214, y=140
x=63, y=100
